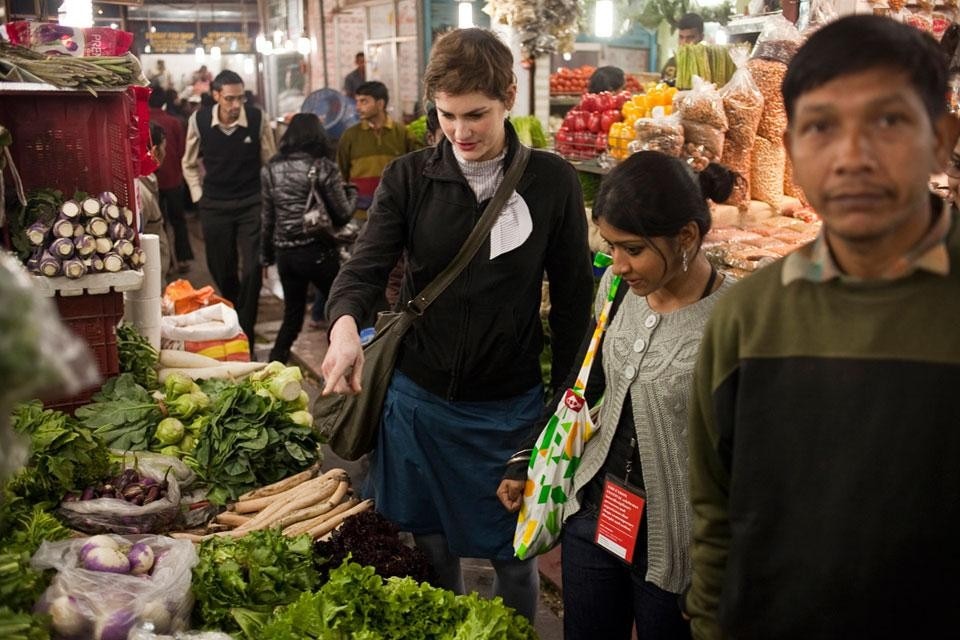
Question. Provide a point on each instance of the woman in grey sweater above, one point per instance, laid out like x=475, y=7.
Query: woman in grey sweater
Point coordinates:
x=652, y=212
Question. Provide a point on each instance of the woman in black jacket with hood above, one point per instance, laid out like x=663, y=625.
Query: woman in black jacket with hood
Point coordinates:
x=300, y=258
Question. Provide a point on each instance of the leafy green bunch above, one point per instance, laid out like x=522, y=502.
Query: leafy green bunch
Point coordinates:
x=257, y=572
x=249, y=442
x=357, y=603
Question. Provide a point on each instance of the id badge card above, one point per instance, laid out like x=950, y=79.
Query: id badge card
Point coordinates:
x=621, y=510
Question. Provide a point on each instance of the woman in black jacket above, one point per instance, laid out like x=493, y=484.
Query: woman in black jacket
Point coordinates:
x=300, y=258
x=467, y=383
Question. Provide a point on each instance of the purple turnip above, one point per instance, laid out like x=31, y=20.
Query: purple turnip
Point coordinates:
x=141, y=559
x=74, y=268
x=70, y=209
x=90, y=206
x=37, y=233
x=68, y=618
x=97, y=227
x=49, y=265
x=106, y=560
x=112, y=262
x=111, y=212
x=63, y=228
x=108, y=197
x=116, y=626
x=97, y=542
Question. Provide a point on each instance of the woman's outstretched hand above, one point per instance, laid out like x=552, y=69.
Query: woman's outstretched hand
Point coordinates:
x=343, y=363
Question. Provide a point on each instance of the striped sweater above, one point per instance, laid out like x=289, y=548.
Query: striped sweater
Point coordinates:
x=364, y=152
x=825, y=459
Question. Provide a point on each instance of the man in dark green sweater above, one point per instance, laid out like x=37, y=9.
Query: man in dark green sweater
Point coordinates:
x=825, y=428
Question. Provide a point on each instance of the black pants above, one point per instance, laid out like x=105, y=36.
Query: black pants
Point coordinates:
x=297, y=269
x=171, y=203
x=231, y=233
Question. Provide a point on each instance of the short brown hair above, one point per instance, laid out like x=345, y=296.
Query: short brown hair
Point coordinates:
x=467, y=60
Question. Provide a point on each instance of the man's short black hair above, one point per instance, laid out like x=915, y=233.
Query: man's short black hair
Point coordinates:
x=375, y=89
x=863, y=42
x=607, y=78
x=224, y=78
x=691, y=21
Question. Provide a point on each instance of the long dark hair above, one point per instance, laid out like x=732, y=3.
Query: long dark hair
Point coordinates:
x=305, y=133
x=652, y=194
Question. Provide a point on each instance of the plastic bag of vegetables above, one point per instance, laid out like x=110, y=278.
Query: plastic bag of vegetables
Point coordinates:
x=38, y=354
x=143, y=498
x=107, y=584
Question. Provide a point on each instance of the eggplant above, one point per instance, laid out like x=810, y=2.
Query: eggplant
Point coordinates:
x=49, y=265
x=62, y=228
x=112, y=262
x=97, y=227
x=62, y=247
x=74, y=268
x=70, y=209
x=85, y=245
x=90, y=206
x=132, y=491
x=153, y=493
x=37, y=233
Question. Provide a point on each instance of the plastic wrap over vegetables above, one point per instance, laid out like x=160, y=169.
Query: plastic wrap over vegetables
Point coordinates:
x=38, y=354
x=97, y=595
x=145, y=498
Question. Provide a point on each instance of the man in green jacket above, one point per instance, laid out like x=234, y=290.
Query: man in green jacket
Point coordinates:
x=825, y=429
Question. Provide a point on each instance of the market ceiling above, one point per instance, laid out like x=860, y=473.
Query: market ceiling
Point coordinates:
x=188, y=11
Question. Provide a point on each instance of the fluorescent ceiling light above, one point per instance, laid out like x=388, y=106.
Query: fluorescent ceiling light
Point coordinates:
x=465, y=15
x=603, y=26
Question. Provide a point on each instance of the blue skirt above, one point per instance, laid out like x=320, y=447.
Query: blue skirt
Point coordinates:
x=438, y=464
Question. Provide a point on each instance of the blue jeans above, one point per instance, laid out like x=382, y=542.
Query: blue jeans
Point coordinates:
x=603, y=597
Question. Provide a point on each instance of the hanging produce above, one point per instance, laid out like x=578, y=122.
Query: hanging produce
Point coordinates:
x=544, y=26
x=19, y=64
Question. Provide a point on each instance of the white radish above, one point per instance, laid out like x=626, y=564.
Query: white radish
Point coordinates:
x=223, y=371
x=186, y=359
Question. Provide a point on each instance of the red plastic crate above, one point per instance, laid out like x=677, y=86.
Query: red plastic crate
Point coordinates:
x=74, y=140
x=94, y=318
